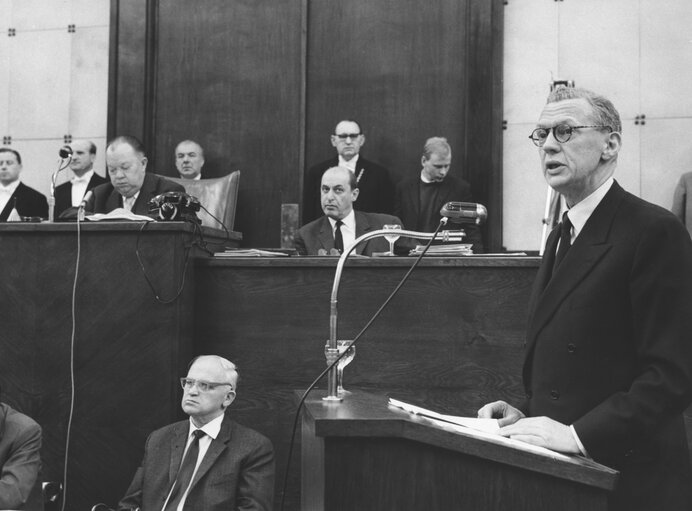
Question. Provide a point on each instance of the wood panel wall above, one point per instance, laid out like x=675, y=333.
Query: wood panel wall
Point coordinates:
x=260, y=84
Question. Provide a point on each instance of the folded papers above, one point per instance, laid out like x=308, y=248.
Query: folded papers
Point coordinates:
x=249, y=252
x=119, y=214
x=448, y=249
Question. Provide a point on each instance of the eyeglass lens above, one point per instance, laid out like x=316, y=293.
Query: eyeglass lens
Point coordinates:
x=344, y=136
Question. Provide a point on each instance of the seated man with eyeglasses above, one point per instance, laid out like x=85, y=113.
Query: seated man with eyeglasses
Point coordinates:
x=373, y=180
x=209, y=461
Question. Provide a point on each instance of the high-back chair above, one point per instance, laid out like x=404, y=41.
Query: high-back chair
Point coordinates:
x=218, y=195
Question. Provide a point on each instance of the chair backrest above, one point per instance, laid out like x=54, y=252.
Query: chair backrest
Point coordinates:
x=218, y=195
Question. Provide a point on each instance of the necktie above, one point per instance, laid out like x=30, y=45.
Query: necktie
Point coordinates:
x=565, y=240
x=187, y=468
x=338, y=237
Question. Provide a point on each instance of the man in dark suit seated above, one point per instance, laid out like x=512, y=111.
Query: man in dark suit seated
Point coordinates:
x=418, y=199
x=341, y=225
x=373, y=180
x=189, y=159
x=20, y=461
x=208, y=462
x=608, y=367
x=130, y=187
x=15, y=195
x=70, y=194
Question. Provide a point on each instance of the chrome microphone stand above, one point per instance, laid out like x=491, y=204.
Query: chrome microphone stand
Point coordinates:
x=53, y=179
x=331, y=351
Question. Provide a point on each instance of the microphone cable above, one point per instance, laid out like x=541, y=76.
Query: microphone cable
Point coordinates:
x=342, y=354
x=72, y=376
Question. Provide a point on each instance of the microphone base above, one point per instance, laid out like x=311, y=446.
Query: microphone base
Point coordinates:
x=332, y=398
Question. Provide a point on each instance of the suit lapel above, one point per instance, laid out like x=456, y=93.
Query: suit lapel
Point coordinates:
x=141, y=205
x=362, y=226
x=589, y=248
x=217, y=446
x=114, y=201
x=178, y=442
x=325, y=235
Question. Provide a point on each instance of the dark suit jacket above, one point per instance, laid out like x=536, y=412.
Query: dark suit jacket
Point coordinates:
x=609, y=347
x=407, y=206
x=237, y=472
x=106, y=198
x=376, y=189
x=63, y=193
x=318, y=234
x=20, y=462
x=28, y=201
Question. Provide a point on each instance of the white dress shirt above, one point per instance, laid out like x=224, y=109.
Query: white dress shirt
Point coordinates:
x=129, y=202
x=348, y=229
x=6, y=192
x=79, y=186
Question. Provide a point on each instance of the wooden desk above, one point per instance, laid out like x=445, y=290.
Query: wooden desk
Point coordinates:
x=362, y=454
x=451, y=340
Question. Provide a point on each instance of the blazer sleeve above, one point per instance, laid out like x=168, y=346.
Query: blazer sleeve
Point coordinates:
x=256, y=483
x=299, y=243
x=20, y=470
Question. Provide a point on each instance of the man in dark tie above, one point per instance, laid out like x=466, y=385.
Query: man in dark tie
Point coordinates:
x=608, y=368
x=373, y=180
x=130, y=186
x=71, y=193
x=341, y=224
x=208, y=462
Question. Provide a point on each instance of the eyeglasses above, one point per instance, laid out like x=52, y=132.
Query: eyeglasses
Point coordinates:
x=344, y=136
x=203, y=386
x=561, y=132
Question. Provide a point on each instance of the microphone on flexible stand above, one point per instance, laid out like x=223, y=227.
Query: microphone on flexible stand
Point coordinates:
x=65, y=153
x=82, y=205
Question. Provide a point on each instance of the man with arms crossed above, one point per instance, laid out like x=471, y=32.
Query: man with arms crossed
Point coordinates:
x=208, y=462
x=608, y=368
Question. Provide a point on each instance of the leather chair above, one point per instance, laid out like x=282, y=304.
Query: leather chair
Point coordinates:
x=218, y=195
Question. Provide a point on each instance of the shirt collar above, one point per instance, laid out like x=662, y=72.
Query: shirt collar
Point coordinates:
x=350, y=164
x=86, y=177
x=581, y=211
x=349, y=221
x=11, y=187
x=211, y=428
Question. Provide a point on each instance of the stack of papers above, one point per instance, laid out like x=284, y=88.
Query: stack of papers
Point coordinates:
x=486, y=425
x=249, y=252
x=449, y=249
x=119, y=214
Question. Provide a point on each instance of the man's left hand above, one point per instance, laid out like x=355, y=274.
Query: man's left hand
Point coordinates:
x=543, y=432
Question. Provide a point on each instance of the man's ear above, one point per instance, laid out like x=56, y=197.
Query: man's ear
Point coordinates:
x=144, y=163
x=354, y=194
x=332, y=139
x=612, y=146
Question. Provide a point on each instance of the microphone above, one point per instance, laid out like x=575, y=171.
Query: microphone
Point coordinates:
x=65, y=152
x=464, y=212
x=86, y=198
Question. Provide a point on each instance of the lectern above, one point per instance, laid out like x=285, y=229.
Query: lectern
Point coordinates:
x=363, y=454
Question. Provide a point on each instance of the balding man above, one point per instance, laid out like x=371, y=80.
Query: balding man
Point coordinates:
x=209, y=461
x=71, y=193
x=130, y=187
x=15, y=195
x=189, y=159
x=341, y=224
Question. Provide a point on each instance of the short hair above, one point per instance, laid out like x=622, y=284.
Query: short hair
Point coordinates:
x=92, y=147
x=436, y=145
x=352, y=179
x=188, y=141
x=360, y=130
x=10, y=150
x=130, y=140
x=604, y=111
x=229, y=368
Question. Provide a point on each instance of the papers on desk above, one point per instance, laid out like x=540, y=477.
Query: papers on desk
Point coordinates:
x=249, y=252
x=119, y=214
x=448, y=249
x=487, y=429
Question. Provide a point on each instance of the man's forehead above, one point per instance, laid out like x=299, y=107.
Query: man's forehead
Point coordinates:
x=188, y=147
x=80, y=146
x=333, y=179
x=347, y=127
x=568, y=110
x=8, y=156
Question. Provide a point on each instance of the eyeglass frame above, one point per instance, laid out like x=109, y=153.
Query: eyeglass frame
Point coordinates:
x=346, y=136
x=569, y=136
x=211, y=385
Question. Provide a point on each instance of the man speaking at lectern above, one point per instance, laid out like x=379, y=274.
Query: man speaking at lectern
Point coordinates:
x=608, y=368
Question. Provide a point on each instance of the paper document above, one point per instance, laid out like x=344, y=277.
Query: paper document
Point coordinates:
x=119, y=214
x=249, y=252
x=487, y=425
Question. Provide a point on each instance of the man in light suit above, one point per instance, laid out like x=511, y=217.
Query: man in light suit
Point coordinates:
x=130, y=187
x=608, y=368
x=340, y=220
x=232, y=466
x=70, y=194
x=373, y=180
x=20, y=461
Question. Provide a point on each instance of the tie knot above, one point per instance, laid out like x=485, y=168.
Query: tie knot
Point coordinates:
x=198, y=433
x=339, y=223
